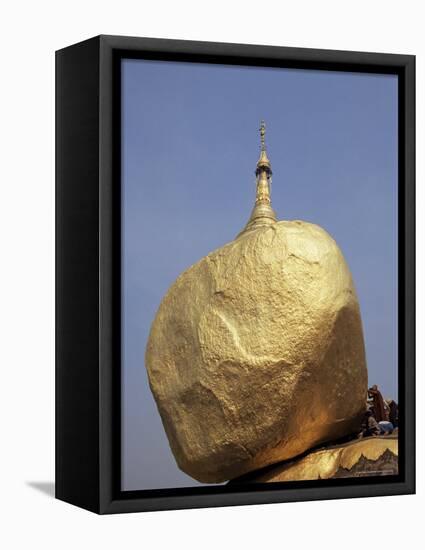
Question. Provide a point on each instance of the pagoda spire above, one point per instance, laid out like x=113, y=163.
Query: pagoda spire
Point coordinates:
x=262, y=213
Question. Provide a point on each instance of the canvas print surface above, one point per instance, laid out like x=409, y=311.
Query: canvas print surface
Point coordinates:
x=259, y=275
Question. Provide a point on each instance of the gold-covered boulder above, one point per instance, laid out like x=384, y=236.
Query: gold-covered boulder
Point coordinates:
x=256, y=353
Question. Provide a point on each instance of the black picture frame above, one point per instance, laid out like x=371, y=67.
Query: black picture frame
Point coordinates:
x=88, y=273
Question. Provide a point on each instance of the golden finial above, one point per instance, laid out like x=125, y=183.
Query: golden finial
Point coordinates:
x=263, y=161
x=262, y=135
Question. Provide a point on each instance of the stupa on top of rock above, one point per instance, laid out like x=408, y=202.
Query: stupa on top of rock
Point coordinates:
x=256, y=353
x=262, y=213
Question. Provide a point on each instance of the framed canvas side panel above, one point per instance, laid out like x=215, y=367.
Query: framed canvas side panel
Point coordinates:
x=77, y=274
x=109, y=278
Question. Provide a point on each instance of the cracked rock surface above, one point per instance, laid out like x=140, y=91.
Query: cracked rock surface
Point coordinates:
x=256, y=353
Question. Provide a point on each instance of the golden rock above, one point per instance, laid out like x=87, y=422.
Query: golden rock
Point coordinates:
x=363, y=457
x=256, y=353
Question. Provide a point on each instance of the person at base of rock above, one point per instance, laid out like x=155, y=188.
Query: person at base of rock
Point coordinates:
x=379, y=408
x=393, y=412
x=370, y=427
x=386, y=427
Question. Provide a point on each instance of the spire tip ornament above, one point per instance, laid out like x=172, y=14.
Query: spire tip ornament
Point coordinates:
x=262, y=213
x=262, y=135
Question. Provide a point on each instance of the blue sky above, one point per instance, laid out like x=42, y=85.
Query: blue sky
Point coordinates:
x=190, y=143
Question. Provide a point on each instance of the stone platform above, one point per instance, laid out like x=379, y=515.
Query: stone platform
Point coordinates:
x=372, y=456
